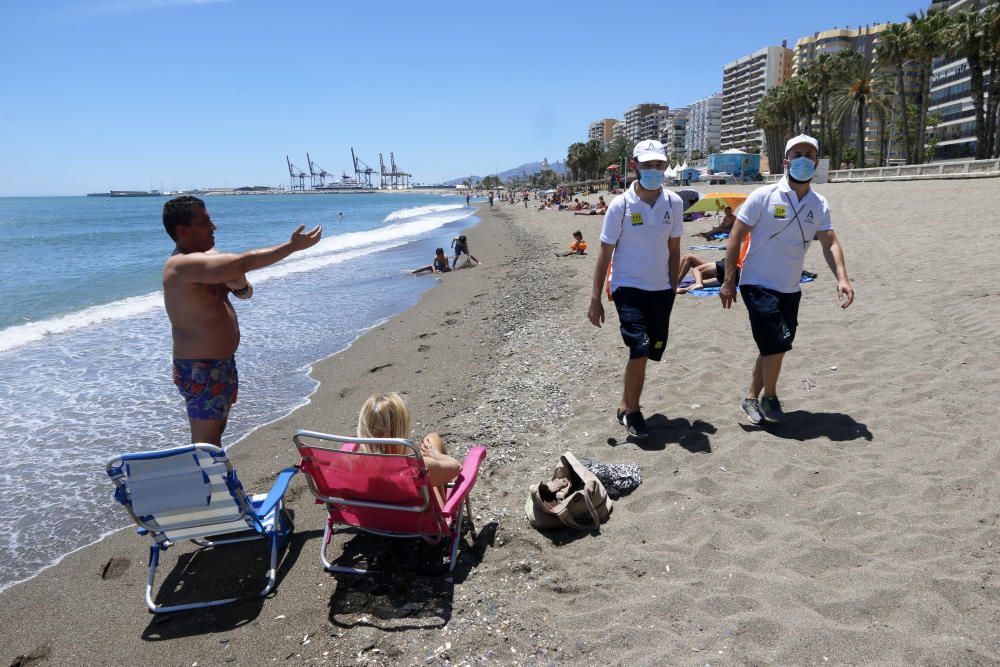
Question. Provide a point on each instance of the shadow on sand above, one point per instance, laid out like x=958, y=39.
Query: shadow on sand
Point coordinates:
x=408, y=585
x=218, y=572
x=691, y=435
x=802, y=425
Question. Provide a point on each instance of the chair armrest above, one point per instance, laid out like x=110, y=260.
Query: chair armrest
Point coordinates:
x=466, y=480
x=277, y=491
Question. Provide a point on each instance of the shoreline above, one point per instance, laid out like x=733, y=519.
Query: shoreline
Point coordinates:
x=862, y=532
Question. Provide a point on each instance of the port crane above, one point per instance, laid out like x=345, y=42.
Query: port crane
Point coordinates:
x=392, y=178
x=295, y=174
x=317, y=174
x=362, y=172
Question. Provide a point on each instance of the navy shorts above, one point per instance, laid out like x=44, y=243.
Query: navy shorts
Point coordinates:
x=645, y=320
x=774, y=317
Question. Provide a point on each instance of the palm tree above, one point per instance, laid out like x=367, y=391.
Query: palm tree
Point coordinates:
x=859, y=87
x=894, y=48
x=967, y=37
x=772, y=118
x=819, y=74
x=991, y=18
x=927, y=33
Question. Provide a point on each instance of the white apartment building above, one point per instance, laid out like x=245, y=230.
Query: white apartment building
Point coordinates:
x=744, y=83
x=603, y=130
x=704, y=126
x=673, y=131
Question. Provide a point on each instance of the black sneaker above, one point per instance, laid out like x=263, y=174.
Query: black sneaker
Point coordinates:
x=636, y=425
x=620, y=416
x=751, y=406
x=770, y=409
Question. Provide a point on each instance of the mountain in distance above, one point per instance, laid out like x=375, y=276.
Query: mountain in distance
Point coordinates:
x=526, y=169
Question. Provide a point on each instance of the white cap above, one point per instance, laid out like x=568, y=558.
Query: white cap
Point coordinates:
x=801, y=139
x=649, y=150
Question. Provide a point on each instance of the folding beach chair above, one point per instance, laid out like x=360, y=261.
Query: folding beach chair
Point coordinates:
x=192, y=493
x=384, y=494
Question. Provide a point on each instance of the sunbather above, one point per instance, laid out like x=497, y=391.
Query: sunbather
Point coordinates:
x=386, y=416
x=724, y=227
x=706, y=274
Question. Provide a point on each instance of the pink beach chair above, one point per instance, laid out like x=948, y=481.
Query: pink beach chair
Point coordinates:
x=384, y=494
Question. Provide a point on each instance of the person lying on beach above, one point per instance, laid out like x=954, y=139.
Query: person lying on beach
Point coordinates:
x=723, y=227
x=438, y=265
x=577, y=247
x=461, y=245
x=706, y=274
x=197, y=282
x=599, y=209
x=386, y=416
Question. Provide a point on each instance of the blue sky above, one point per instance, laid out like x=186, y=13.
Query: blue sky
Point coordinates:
x=132, y=94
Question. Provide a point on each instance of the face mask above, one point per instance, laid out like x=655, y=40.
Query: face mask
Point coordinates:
x=801, y=169
x=651, y=179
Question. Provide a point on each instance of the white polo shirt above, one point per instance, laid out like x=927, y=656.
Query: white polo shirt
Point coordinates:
x=640, y=233
x=778, y=239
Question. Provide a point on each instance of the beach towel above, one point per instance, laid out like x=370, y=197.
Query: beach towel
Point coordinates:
x=618, y=478
x=706, y=247
x=714, y=289
x=720, y=236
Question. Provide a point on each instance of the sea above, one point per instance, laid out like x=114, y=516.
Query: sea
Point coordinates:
x=85, y=348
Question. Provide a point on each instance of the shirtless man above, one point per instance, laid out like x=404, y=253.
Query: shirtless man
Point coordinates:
x=727, y=225
x=197, y=281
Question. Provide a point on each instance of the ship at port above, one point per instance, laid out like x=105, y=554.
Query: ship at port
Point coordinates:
x=127, y=193
x=392, y=177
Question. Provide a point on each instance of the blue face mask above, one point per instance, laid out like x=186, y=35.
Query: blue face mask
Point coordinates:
x=801, y=169
x=651, y=178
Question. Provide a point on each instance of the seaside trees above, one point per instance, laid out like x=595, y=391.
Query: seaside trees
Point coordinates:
x=585, y=160
x=861, y=87
x=894, y=49
x=927, y=33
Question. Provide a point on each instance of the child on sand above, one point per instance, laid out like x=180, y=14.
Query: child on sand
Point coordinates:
x=438, y=265
x=577, y=247
x=386, y=416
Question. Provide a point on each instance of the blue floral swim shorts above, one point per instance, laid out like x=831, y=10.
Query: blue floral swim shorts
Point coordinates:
x=209, y=386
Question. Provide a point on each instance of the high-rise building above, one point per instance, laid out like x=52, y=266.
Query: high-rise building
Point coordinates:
x=603, y=131
x=704, y=126
x=643, y=121
x=673, y=131
x=863, y=40
x=951, y=97
x=744, y=83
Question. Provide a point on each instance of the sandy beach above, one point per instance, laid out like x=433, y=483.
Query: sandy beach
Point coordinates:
x=863, y=531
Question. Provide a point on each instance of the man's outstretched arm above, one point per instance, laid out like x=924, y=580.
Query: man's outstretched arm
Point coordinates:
x=215, y=268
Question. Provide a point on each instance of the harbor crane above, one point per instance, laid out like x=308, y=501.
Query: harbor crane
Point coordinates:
x=362, y=172
x=295, y=174
x=393, y=178
x=317, y=174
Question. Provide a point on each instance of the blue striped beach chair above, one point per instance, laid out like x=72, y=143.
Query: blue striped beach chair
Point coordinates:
x=192, y=493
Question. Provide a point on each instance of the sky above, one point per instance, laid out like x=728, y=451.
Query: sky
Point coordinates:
x=177, y=94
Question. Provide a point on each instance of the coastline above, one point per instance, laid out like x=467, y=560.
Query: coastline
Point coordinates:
x=863, y=533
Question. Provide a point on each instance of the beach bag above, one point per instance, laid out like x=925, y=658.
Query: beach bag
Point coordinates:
x=573, y=498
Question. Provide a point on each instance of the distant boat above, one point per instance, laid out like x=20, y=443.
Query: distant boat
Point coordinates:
x=345, y=183
x=127, y=193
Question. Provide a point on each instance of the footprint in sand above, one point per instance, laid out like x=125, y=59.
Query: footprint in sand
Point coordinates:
x=376, y=369
x=423, y=348
x=425, y=335
x=450, y=322
x=114, y=568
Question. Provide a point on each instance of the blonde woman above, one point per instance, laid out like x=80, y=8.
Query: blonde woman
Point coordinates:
x=386, y=416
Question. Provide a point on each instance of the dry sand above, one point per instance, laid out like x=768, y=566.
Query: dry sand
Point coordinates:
x=864, y=531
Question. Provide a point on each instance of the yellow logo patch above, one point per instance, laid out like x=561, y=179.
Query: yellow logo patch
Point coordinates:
x=779, y=211
x=637, y=218
x=658, y=344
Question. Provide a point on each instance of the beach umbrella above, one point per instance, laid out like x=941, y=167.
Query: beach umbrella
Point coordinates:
x=612, y=168
x=690, y=197
x=717, y=201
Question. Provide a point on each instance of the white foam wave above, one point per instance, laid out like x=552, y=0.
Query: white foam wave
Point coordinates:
x=409, y=223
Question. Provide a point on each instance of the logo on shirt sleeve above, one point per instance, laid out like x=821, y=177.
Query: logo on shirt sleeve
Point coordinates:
x=779, y=210
x=636, y=219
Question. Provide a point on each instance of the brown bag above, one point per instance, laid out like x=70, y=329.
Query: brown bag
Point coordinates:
x=574, y=497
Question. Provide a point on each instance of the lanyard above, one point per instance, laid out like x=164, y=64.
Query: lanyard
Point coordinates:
x=794, y=219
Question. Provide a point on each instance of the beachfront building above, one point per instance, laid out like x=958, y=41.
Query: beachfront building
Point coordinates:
x=603, y=131
x=643, y=121
x=864, y=40
x=673, y=132
x=740, y=164
x=704, y=126
x=744, y=82
x=618, y=130
x=951, y=97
